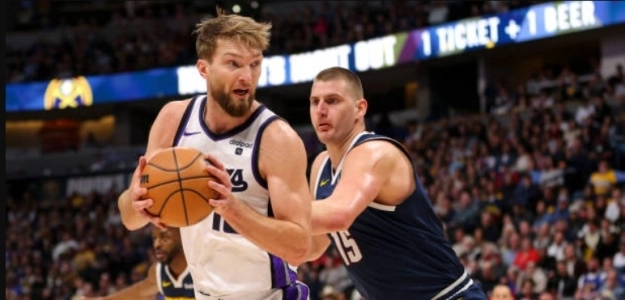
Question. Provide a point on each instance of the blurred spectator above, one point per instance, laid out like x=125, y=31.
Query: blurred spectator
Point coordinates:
x=526, y=255
x=619, y=257
x=561, y=283
x=616, y=82
x=605, y=178
x=590, y=283
x=438, y=12
x=613, y=286
x=527, y=290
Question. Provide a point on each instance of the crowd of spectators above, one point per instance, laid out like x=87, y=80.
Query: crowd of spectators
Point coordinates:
x=157, y=34
x=551, y=85
x=533, y=200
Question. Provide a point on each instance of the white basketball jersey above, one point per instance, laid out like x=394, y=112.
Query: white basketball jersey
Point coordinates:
x=221, y=261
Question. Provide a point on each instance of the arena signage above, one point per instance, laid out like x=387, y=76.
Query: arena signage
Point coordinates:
x=522, y=25
x=539, y=21
x=303, y=67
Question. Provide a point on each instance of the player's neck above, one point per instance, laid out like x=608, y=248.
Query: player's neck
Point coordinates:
x=337, y=150
x=177, y=265
x=218, y=121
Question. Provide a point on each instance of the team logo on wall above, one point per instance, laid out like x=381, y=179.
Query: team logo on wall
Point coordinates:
x=68, y=93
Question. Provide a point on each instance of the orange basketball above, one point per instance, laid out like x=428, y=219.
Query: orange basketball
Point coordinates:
x=177, y=182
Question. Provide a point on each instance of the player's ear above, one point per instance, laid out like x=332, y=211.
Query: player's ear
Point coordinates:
x=361, y=107
x=202, y=67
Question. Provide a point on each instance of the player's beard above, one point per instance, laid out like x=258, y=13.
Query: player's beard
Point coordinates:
x=233, y=107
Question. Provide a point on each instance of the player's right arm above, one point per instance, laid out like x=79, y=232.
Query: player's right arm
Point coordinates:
x=144, y=289
x=161, y=136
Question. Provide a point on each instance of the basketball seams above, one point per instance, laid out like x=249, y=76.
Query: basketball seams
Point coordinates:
x=161, y=168
x=181, y=168
x=165, y=202
x=190, y=163
x=195, y=192
x=178, y=180
x=184, y=204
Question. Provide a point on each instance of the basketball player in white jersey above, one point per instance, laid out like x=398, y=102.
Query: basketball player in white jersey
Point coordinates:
x=169, y=276
x=262, y=220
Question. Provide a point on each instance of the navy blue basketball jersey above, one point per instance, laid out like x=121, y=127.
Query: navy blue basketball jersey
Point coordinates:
x=395, y=252
x=171, y=288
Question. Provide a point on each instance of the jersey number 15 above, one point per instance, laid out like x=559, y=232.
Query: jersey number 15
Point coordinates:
x=347, y=247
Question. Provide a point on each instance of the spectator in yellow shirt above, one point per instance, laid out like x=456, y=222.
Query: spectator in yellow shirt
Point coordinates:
x=605, y=178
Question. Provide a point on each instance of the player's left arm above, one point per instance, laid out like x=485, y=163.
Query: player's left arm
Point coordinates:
x=366, y=169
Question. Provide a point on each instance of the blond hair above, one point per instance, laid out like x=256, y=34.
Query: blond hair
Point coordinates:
x=335, y=73
x=230, y=27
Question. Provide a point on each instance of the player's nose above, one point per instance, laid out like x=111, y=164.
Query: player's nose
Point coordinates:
x=245, y=75
x=321, y=109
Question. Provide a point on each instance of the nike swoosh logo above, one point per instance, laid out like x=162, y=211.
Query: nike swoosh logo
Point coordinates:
x=190, y=133
x=166, y=284
x=323, y=182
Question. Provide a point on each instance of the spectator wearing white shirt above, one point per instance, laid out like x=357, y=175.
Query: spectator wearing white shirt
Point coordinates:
x=556, y=248
x=619, y=257
x=584, y=111
x=66, y=244
x=543, y=100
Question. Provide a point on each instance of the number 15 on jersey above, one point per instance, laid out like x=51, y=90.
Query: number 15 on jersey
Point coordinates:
x=347, y=247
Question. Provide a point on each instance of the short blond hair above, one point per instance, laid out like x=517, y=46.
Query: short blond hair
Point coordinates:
x=352, y=80
x=234, y=27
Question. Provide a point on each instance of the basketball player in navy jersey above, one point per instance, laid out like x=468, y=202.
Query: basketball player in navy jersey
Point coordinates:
x=262, y=220
x=372, y=205
x=169, y=277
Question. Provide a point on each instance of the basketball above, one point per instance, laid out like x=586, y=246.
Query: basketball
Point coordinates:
x=177, y=181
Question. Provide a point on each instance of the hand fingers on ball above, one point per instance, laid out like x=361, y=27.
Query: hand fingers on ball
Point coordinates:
x=217, y=203
x=215, y=162
x=221, y=175
x=138, y=192
x=153, y=219
x=219, y=188
x=142, y=204
x=142, y=162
